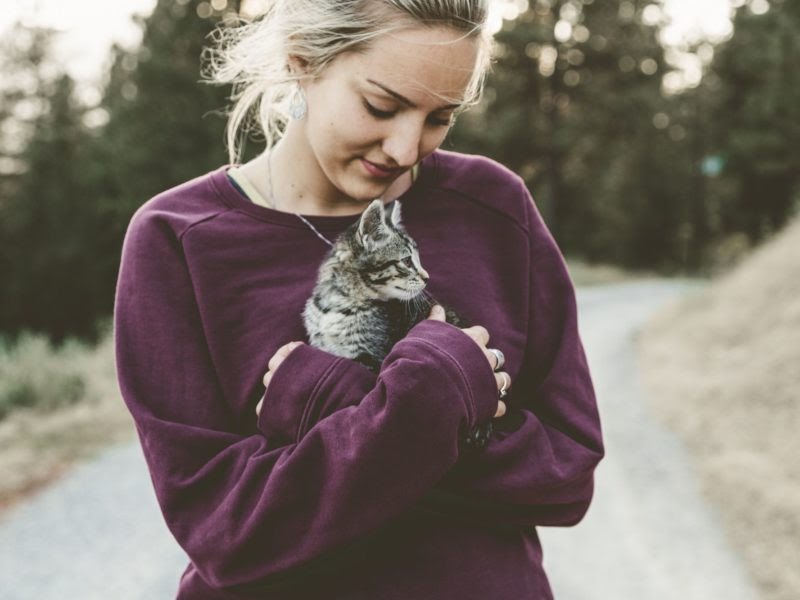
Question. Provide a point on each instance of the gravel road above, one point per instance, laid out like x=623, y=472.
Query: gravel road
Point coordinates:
x=98, y=535
x=649, y=534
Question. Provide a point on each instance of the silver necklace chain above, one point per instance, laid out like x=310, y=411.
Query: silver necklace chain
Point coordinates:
x=298, y=215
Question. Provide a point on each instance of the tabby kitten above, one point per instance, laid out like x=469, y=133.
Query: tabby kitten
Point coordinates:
x=370, y=290
x=370, y=293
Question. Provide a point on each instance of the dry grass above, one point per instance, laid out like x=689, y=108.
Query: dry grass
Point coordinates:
x=584, y=274
x=724, y=369
x=46, y=433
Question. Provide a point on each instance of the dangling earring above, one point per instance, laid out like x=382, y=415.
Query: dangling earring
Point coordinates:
x=298, y=107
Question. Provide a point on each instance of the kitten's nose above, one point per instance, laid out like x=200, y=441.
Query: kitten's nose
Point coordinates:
x=424, y=274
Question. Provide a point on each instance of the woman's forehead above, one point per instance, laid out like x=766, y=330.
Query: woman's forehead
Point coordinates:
x=419, y=62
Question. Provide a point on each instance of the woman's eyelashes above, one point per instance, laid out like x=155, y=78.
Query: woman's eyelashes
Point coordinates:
x=377, y=113
x=442, y=122
x=388, y=114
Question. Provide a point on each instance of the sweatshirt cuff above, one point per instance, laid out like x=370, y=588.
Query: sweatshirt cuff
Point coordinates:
x=309, y=385
x=468, y=357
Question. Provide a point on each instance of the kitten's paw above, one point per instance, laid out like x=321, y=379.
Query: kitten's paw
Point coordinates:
x=477, y=438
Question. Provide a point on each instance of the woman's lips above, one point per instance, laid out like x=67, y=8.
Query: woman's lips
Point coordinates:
x=377, y=171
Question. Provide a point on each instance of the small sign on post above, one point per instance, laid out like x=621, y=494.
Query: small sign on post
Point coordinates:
x=711, y=166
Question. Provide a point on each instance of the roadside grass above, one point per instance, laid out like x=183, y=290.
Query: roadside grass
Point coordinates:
x=584, y=274
x=723, y=370
x=57, y=407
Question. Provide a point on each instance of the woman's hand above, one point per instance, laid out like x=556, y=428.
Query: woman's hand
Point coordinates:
x=481, y=337
x=274, y=362
x=477, y=333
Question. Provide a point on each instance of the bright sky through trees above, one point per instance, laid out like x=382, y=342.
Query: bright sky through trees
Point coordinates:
x=90, y=26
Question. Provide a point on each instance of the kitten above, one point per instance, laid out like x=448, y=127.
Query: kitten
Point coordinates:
x=370, y=290
x=370, y=293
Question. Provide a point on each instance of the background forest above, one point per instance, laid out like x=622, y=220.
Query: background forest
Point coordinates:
x=637, y=162
x=627, y=169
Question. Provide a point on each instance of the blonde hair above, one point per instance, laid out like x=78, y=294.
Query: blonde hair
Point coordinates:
x=254, y=56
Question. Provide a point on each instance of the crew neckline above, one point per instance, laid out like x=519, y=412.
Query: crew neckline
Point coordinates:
x=235, y=199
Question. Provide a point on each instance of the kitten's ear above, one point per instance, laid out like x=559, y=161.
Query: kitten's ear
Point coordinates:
x=371, y=225
x=396, y=214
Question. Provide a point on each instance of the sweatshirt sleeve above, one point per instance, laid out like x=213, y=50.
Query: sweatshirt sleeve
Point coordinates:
x=309, y=385
x=247, y=514
x=538, y=467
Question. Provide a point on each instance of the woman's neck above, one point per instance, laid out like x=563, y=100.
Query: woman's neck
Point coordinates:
x=299, y=185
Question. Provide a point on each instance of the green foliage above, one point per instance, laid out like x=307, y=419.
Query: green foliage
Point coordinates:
x=34, y=375
x=165, y=126
x=616, y=167
x=27, y=67
x=47, y=231
x=64, y=214
x=573, y=114
x=756, y=119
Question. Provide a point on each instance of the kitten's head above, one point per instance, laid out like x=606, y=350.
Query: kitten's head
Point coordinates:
x=385, y=256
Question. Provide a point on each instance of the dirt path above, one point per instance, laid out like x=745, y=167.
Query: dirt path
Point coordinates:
x=649, y=534
x=98, y=534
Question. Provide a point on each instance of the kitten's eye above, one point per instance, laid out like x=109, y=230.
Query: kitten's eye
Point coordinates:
x=408, y=262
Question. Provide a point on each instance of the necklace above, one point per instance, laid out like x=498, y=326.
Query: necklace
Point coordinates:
x=298, y=215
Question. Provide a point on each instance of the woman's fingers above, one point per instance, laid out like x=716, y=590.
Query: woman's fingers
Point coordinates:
x=281, y=354
x=274, y=362
x=437, y=313
x=503, y=381
x=495, y=358
x=258, y=406
x=476, y=332
x=479, y=334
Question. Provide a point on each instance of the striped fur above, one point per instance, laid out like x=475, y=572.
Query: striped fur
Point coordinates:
x=370, y=289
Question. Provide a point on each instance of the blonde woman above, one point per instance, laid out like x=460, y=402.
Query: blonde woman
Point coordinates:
x=286, y=472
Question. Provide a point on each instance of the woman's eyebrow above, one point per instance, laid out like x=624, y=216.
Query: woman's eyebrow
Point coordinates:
x=405, y=100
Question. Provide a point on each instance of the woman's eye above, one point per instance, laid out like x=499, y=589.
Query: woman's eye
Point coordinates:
x=388, y=114
x=439, y=122
x=377, y=113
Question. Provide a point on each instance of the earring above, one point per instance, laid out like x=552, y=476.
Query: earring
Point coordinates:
x=298, y=107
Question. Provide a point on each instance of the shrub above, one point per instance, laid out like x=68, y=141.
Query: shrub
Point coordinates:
x=35, y=375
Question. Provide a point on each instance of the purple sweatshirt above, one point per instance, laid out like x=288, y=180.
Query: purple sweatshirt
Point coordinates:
x=350, y=485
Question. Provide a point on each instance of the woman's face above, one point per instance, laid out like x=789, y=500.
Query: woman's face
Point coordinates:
x=373, y=115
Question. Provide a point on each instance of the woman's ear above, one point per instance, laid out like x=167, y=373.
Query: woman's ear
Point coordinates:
x=297, y=65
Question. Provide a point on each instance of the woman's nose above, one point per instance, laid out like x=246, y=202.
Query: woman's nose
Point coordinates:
x=403, y=143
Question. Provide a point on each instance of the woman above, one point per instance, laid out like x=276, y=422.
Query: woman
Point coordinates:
x=337, y=482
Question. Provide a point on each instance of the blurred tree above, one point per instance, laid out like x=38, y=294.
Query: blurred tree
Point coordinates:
x=40, y=130
x=27, y=71
x=574, y=105
x=165, y=126
x=757, y=118
x=79, y=186
x=44, y=227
